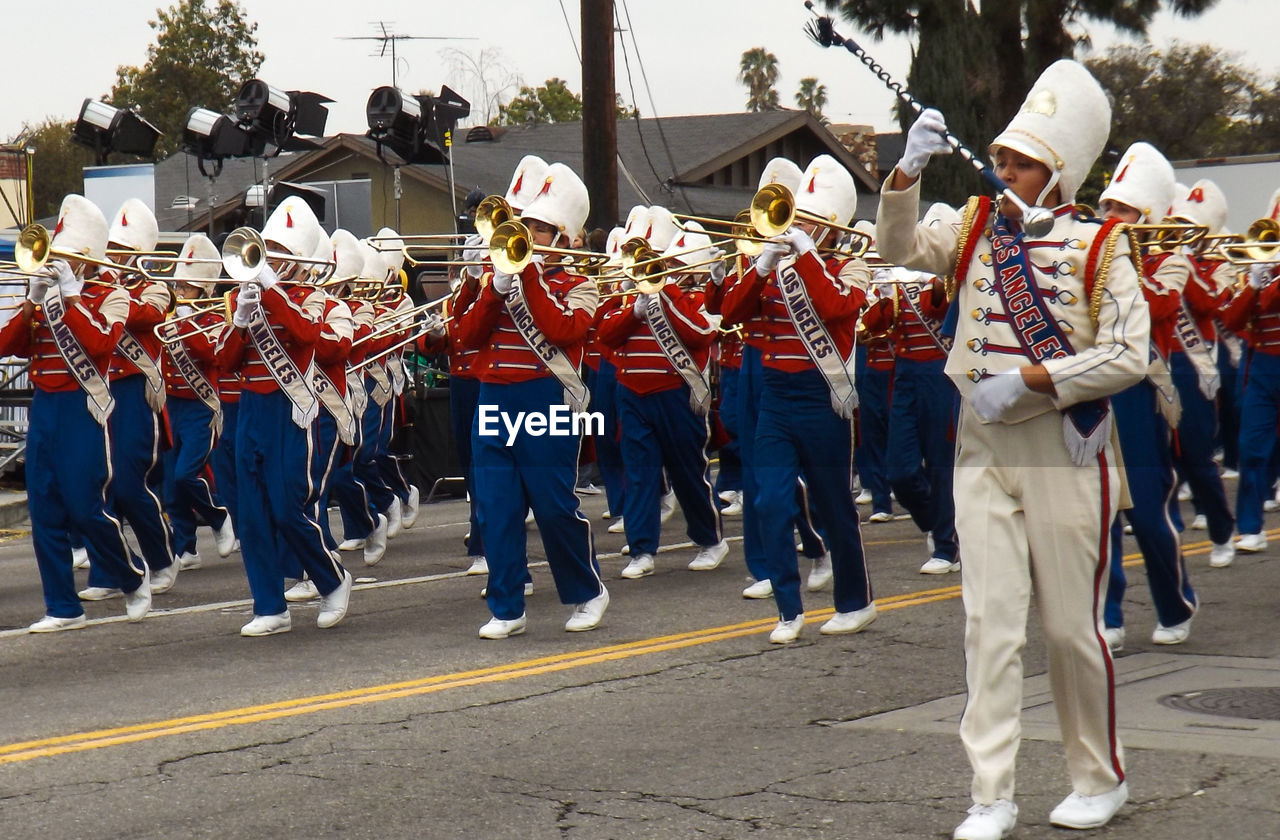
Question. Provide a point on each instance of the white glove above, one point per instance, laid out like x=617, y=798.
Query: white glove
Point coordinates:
x=434, y=326
x=627, y=284
x=716, y=271
x=267, y=278
x=799, y=241
x=39, y=287
x=246, y=303
x=993, y=397
x=1260, y=274
x=503, y=282
x=68, y=283
x=474, y=252
x=924, y=140
x=183, y=310
x=641, y=304
x=769, y=257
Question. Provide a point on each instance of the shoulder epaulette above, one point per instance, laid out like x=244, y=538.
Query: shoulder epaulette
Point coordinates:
x=975, y=216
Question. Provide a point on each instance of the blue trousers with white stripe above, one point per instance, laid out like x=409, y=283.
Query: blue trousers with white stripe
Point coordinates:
x=1148, y=462
x=1259, y=420
x=1194, y=459
x=388, y=464
x=68, y=476
x=358, y=486
x=920, y=459
x=538, y=473
x=873, y=431
x=1229, y=402
x=797, y=433
x=273, y=473
x=135, y=493
x=223, y=460
x=325, y=455
x=603, y=384
x=661, y=431
x=187, y=491
x=464, y=393
x=730, y=476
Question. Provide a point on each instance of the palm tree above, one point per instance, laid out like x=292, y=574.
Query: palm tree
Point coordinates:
x=811, y=97
x=758, y=70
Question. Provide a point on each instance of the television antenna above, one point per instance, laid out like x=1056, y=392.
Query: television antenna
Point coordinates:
x=389, y=39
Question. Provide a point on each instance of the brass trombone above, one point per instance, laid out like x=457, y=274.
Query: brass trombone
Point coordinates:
x=773, y=211
x=383, y=323
x=244, y=254
x=1173, y=232
x=34, y=249
x=223, y=303
x=747, y=240
x=511, y=248
x=1261, y=245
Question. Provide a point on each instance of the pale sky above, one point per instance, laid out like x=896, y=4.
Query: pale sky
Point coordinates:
x=690, y=51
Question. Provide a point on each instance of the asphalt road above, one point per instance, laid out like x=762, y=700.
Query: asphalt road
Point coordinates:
x=676, y=718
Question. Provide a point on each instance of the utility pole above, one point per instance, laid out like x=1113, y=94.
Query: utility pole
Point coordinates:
x=599, y=123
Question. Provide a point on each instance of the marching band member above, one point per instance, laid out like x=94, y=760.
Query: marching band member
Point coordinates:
x=1141, y=190
x=1254, y=312
x=661, y=343
x=530, y=328
x=193, y=406
x=1036, y=477
x=1195, y=368
x=873, y=376
x=602, y=381
x=138, y=387
x=271, y=339
x=920, y=452
x=69, y=331
x=809, y=302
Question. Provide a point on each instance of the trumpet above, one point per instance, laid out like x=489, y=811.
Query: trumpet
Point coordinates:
x=773, y=211
x=245, y=254
x=1261, y=245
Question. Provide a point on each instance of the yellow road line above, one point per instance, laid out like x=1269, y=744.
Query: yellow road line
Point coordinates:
x=97, y=739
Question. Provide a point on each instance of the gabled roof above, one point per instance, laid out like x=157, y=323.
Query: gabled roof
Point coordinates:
x=705, y=165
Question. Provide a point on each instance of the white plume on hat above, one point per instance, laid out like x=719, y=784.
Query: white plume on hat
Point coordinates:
x=637, y=222
x=294, y=227
x=390, y=247
x=940, y=214
x=1063, y=123
x=561, y=201
x=1144, y=180
x=613, y=245
x=827, y=191
x=81, y=228
x=782, y=171
x=1204, y=204
x=347, y=253
x=203, y=275
x=526, y=181
x=688, y=246
x=135, y=227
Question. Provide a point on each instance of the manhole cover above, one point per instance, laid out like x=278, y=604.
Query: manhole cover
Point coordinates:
x=1258, y=703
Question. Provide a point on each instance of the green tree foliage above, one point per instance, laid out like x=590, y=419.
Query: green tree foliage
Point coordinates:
x=56, y=166
x=977, y=65
x=758, y=70
x=812, y=97
x=203, y=52
x=550, y=102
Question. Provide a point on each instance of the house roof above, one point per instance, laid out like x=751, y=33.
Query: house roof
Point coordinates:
x=679, y=162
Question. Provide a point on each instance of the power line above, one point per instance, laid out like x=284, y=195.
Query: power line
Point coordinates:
x=626, y=62
x=569, y=26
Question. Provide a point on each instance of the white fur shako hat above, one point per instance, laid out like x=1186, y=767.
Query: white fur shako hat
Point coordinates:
x=561, y=201
x=390, y=248
x=1144, y=180
x=293, y=226
x=203, y=275
x=526, y=181
x=637, y=223
x=1273, y=207
x=1063, y=123
x=827, y=191
x=940, y=214
x=134, y=227
x=662, y=228
x=1204, y=204
x=347, y=253
x=613, y=245
x=690, y=245
x=81, y=228
x=782, y=171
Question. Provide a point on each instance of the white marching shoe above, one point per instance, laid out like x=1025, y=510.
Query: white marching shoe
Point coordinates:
x=98, y=593
x=375, y=545
x=617, y=527
x=587, y=615
x=1080, y=811
x=988, y=822
x=939, y=566
x=1175, y=635
x=1252, y=542
x=820, y=573
x=138, y=602
x=759, y=590
x=501, y=628
x=849, y=622
x=640, y=566
x=395, y=518
x=479, y=566
x=709, y=557
x=410, y=516
x=351, y=544
x=187, y=561
x=225, y=538
x=880, y=516
x=267, y=625
x=668, y=506
x=333, y=607
x=53, y=624
x=1200, y=523
x=1221, y=555
x=787, y=631
x=303, y=590
x=1114, y=637
x=79, y=559
x=163, y=580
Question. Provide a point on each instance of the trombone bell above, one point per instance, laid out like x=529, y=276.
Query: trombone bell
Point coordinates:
x=773, y=210
x=244, y=254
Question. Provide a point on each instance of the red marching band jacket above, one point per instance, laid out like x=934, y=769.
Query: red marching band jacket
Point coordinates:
x=557, y=302
x=1255, y=315
x=1208, y=290
x=910, y=337
x=201, y=348
x=97, y=320
x=332, y=348
x=293, y=313
x=462, y=360
x=642, y=366
x=753, y=300
x=148, y=306
x=1162, y=302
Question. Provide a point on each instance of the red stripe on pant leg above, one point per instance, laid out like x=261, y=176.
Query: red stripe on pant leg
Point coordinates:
x=1099, y=578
